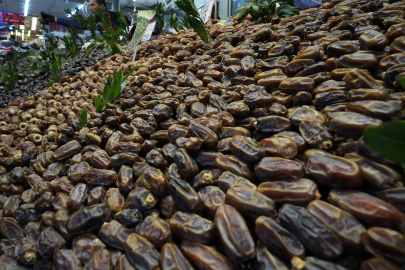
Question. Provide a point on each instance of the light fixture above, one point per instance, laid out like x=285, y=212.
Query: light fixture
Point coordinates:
x=26, y=7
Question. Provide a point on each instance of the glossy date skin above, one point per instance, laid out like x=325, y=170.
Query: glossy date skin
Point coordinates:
x=385, y=243
x=88, y=219
x=250, y=203
x=297, y=192
x=333, y=171
x=155, y=230
x=314, y=235
x=274, y=168
x=346, y=227
x=171, y=258
x=234, y=233
x=368, y=209
x=141, y=253
x=192, y=227
x=278, y=240
x=204, y=257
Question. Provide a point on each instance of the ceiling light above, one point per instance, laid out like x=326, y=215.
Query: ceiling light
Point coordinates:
x=26, y=7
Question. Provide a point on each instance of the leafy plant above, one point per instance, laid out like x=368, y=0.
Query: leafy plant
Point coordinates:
x=184, y=24
x=387, y=140
x=263, y=10
x=111, y=34
x=56, y=68
x=11, y=73
x=10, y=56
x=70, y=42
x=91, y=24
x=83, y=117
x=113, y=87
x=76, y=17
x=402, y=81
x=193, y=18
x=174, y=23
x=160, y=13
x=41, y=60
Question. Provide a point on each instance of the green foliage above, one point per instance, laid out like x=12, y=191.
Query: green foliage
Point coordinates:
x=402, y=81
x=76, y=17
x=184, y=23
x=11, y=73
x=387, y=140
x=113, y=87
x=263, y=10
x=160, y=13
x=56, y=68
x=92, y=26
x=10, y=56
x=41, y=60
x=193, y=19
x=83, y=117
x=111, y=35
x=174, y=23
x=70, y=42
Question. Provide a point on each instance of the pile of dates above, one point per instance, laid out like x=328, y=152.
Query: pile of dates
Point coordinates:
x=244, y=153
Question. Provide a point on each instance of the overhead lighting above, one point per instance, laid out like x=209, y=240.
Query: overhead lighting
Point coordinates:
x=26, y=7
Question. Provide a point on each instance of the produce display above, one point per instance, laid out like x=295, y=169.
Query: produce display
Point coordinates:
x=35, y=83
x=243, y=153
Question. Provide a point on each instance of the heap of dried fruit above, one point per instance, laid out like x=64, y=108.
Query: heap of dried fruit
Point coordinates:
x=245, y=153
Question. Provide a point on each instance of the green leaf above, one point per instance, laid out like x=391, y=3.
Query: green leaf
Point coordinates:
x=83, y=117
x=49, y=84
x=106, y=91
x=246, y=5
x=99, y=105
x=243, y=14
x=402, y=81
x=188, y=7
x=199, y=28
x=107, y=51
x=130, y=72
x=387, y=140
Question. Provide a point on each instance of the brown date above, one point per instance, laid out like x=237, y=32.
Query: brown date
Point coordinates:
x=275, y=168
x=234, y=233
x=88, y=218
x=368, y=209
x=278, y=240
x=385, y=243
x=297, y=192
x=314, y=235
x=204, y=257
x=171, y=258
x=192, y=227
x=346, y=227
x=141, y=253
x=250, y=203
